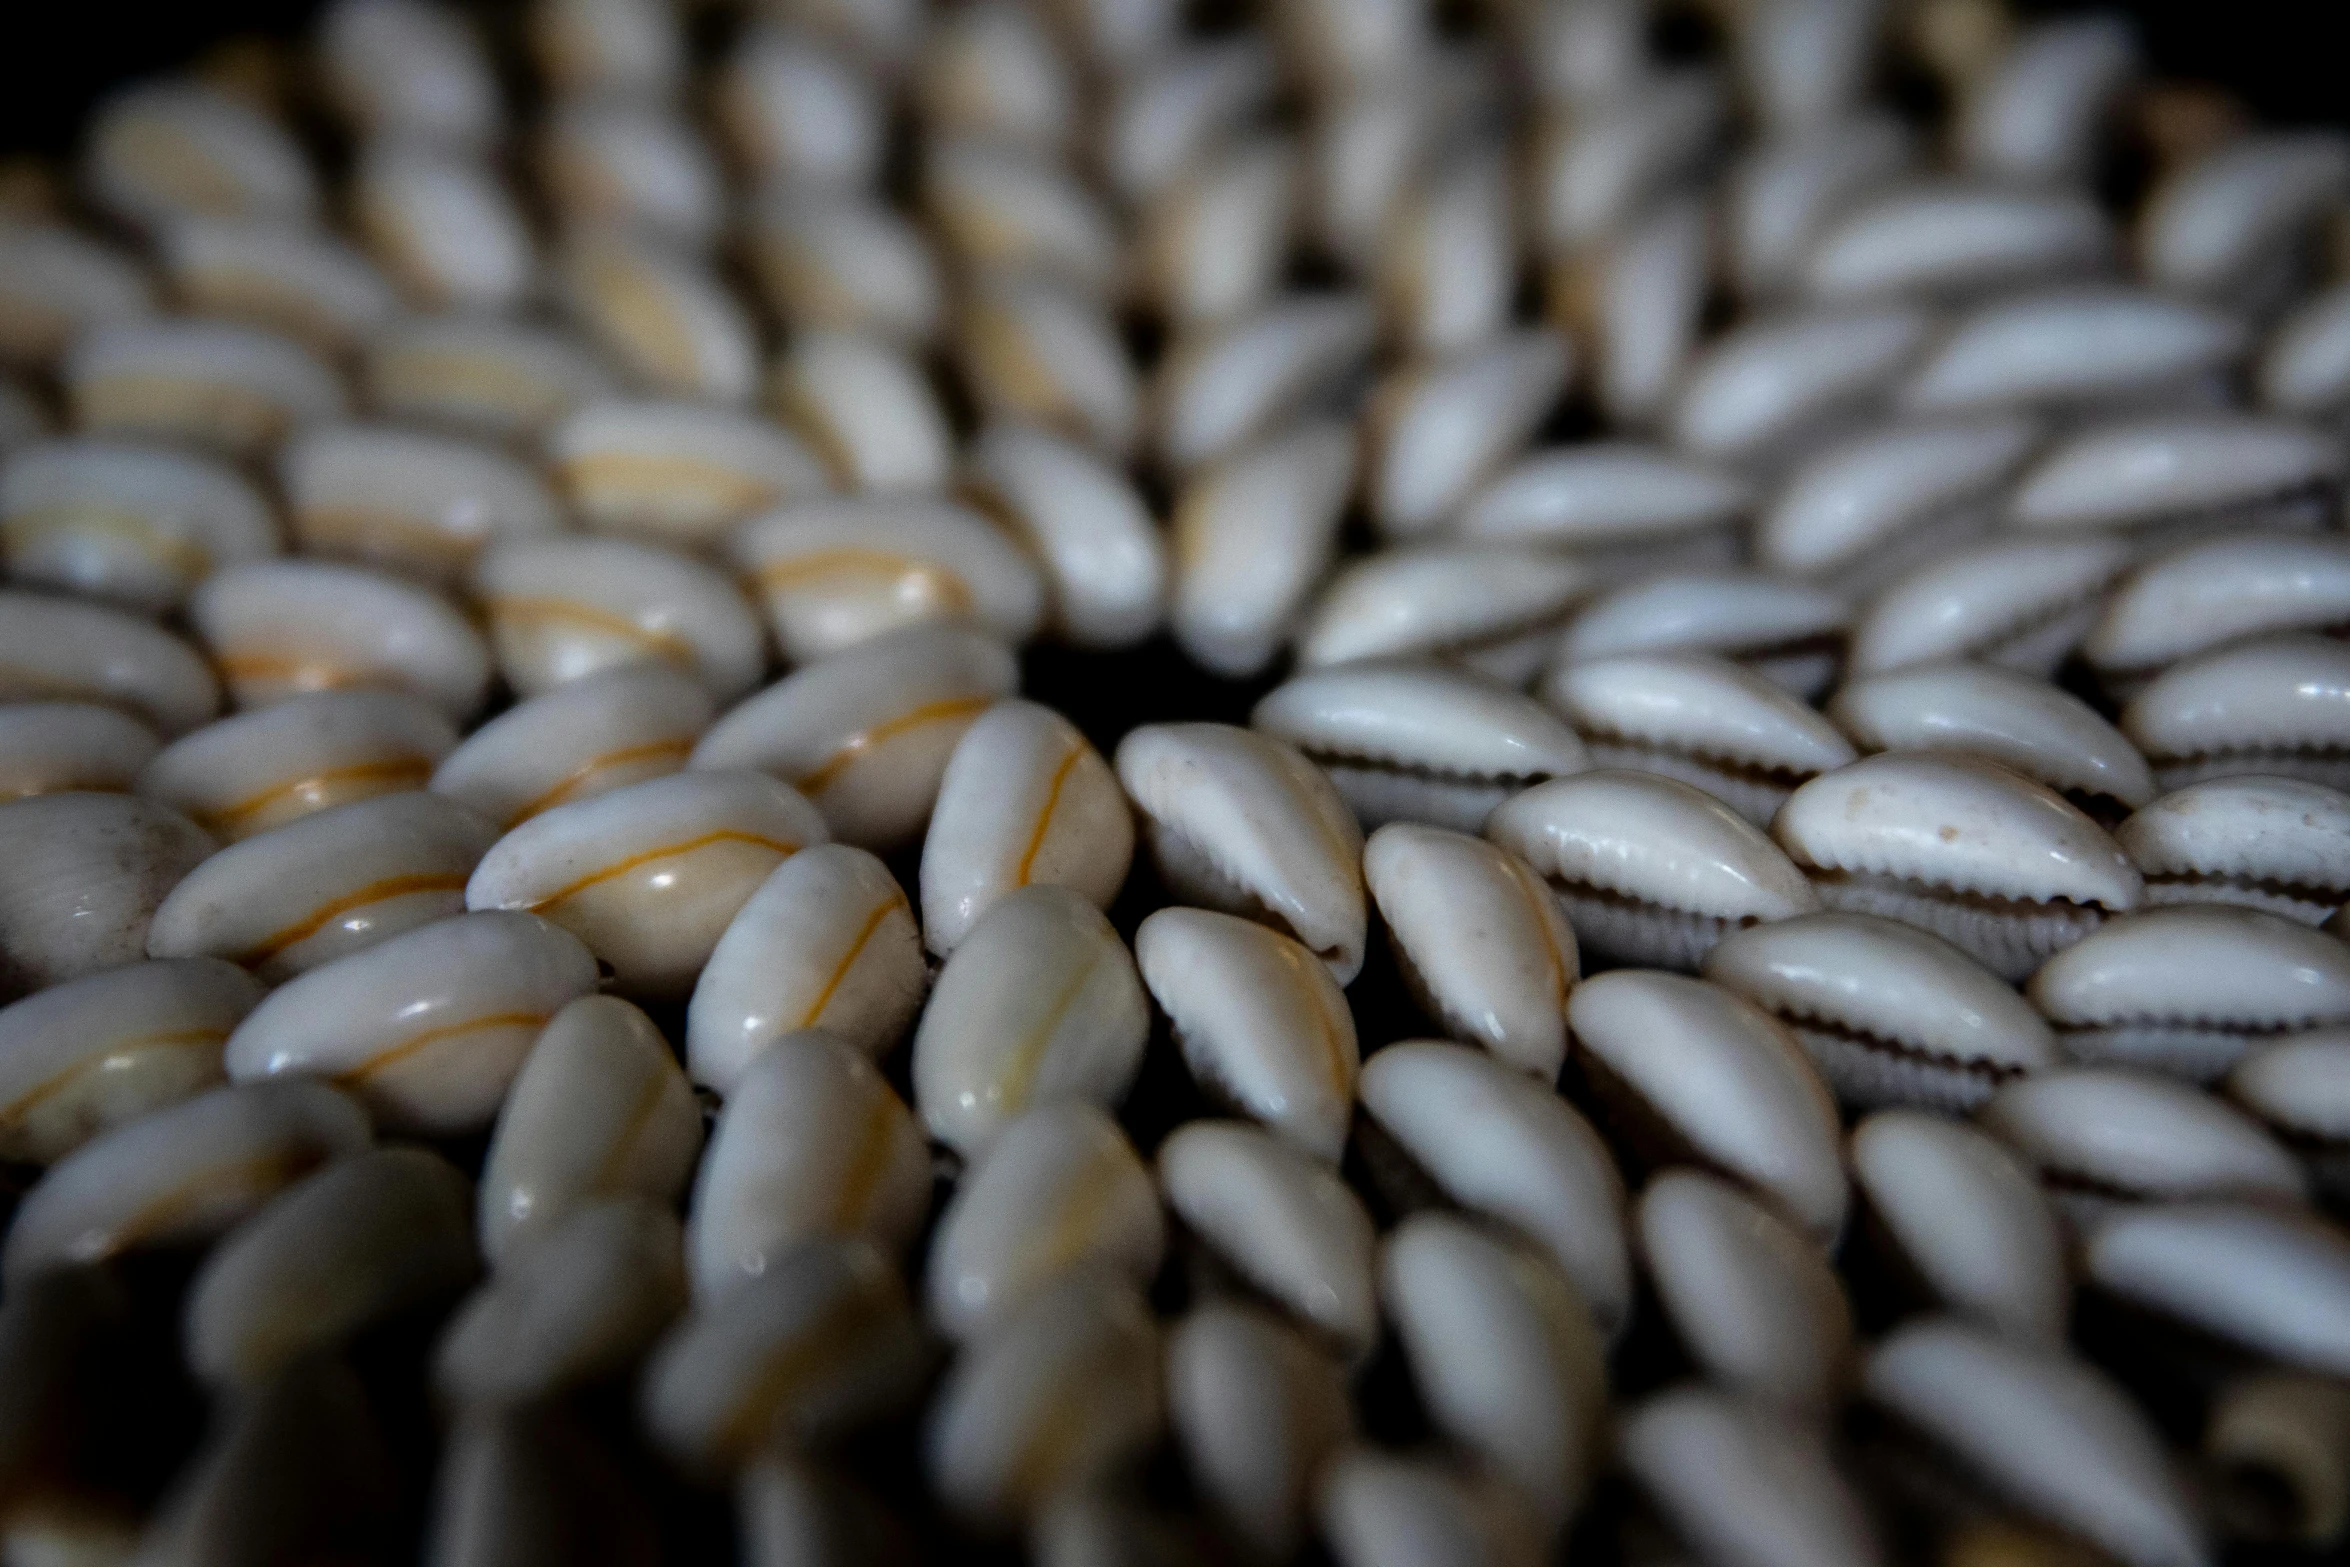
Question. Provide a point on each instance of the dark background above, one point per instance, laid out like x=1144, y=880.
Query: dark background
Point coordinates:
x=2281, y=55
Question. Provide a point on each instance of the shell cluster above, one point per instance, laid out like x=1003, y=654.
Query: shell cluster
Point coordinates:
x=1685, y=902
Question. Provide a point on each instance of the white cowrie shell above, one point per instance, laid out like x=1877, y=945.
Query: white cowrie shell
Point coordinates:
x=834, y=572
x=631, y=164
x=429, y=1027
x=1723, y=1079
x=1035, y=349
x=1510, y=1149
x=1697, y=718
x=2298, y=1087
x=254, y=771
x=2036, y=112
x=56, y=282
x=2204, y=470
x=1787, y=631
x=2020, y=603
x=179, y=1175
x=443, y=224
x=1605, y=496
x=359, y=1242
x=664, y=316
x=1257, y=1410
x=1760, y=389
x=1640, y=302
x=578, y=1306
x=838, y=261
x=2271, y=1281
x=290, y=277
x=866, y=734
x=827, y=942
x=1212, y=245
x=1260, y=1023
x=1583, y=53
x=1482, y=943
x=2305, y=367
x=1745, y=1483
x=278, y=628
x=2267, y=843
x=1220, y=388
x=1416, y=740
x=1780, y=194
x=997, y=207
x=1437, y=431
x=792, y=1513
x=1246, y=824
x=1751, y=1299
x=336, y=881
x=1092, y=534
x=399, y=65
x=1025, y=800
x=867, y=409
x=1447, y=262
x=423, y=504
x=1060, y=1190
x=2274, y=1438
x=2202, y=595
x=563, y=609
x=795, y=109
x=57, y=649
x=1280, y=1219
x=480, y=374
x=1252, y=536
x=85, y=875
x=1364, y=150
x=1066, y=1391
x=1503, y=1354
x=676, y=471
x=599, y=1110
x=1859, y=512
x=819, y=1344
x=2100, y=1135
x=1981, y=856
x=1378, y=1510
x=1648, y=869
x=1343, y=44
x=649, y=875
x=1039, y=1002
x=2210, y=225
x=1890, y=1014
x=2048, y=735
x=2276, y=705
x=1953, y=238
x=221, y=385
x=1969, y=1218
x=624, y=48
x=2050, y=1433
x=2189, y=989
x=81, y=1058
x=812, y=1142
x=1492, y=607
x=1590, y=172
x=880, y=34
x=1805, y=62
x=167, y=149
x=1162, y=118
x=585, y=738
x=60, y=747
x=2080, y=346
x=995, y=72
x=137, y=525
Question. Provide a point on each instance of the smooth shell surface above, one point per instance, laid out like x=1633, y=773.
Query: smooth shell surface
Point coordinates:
x=86, y=874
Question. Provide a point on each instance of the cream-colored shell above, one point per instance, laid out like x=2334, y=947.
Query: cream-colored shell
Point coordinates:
x=165, y=149
x=1036, y=349
x=1593, y=171
x=58, y=650
x=2037, y=111
x=2278, y=844
x=1435, y=432
x=585, y=738
x=1846, y=507
x=55, y=282
x=2048, y=735
x=1940, y=238
x=621, y=163
x=2270, y=1280
x=676, y=471
x=1211, y=246
x=419, y=503
x=2185, y=466
x=663, y=315
x=256, y=771
x=86, y=873
x=995, y=71
x=1253, y=534
x=1774, y=378
x=427, y=1028
x=51, y=747
x=795, y=109
x=1165, y=115
x=1784, y=189
x=2280, y=704
x=2020, y=603
x=1081, y=517
x=2305, y=367
x=840, y=261
x=1603, y=493
x=867, y=409
x=618, y=46
x=1493, y=607
x=443, y=224
x=216, y=384
x=2071, y=347
x=1786, y=629
x=1257, y=1410
x=393, y=65
x=1377, y=1509
x=1742, y=1482
x=276, y=628
x=1219, y=388
x=561, y=609
x=299, y=280
x=2203, y=595
x=997, y=206
x=480, y=374
x=1645, y=296
x=2134, y=1134
x=136, y=525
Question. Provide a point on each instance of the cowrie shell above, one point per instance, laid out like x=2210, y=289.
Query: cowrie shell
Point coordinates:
x=2305, y=367
x=1252, y=535
x=220, y=385
x=56, y=282
x=1591, y=171
x=2265, y=706
x=1211, y=246
x=166, y=149
x=621, y=164
x=865, y=735
x=794, y=109
x=663, y=315
x=1782, y=192
x=2019, y=603
x=1034, y=349
x=598, y=1111
x=1039, y=1002
x=2038, y=111
x=427, y=1028
x=620, y=47
x=812, y=1143
x=1261, y=1024
x=585, y=738
x=2101, y=1137
x=1447, y=262
x=994, y=206
x=2071, y=347
x=58, y=649
x=480, y=374
x=2277, y=844
x=279, y=628
x=133, y=524
x=838, y=261
x=867, y=409
x=1435, y=432
x=1091, y=533
x=1165, y=116
x=81, y=1058
x=1639, y=301
x=312, y=286
x=827, y=942
x=1608, y=501
x=675, y=471
x=2210, y=224
x=252, y=772
x=2269, y=1280
x=2188, y=474
x=1791, y=632
x=1378, y=1509
x=55, y=747
x=1725, y=1470
x=1257, y=1410
x=1218, y=389
x=1805, y=62
x=443, y=224
x=563, y=609
x=1764, y=388
x=996, y=72
x=423, y=504
x=86, y=873
x=336, y=881
x=2204, y=595
x=1494, y=608
x=396, y=66
x=1955, y=238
